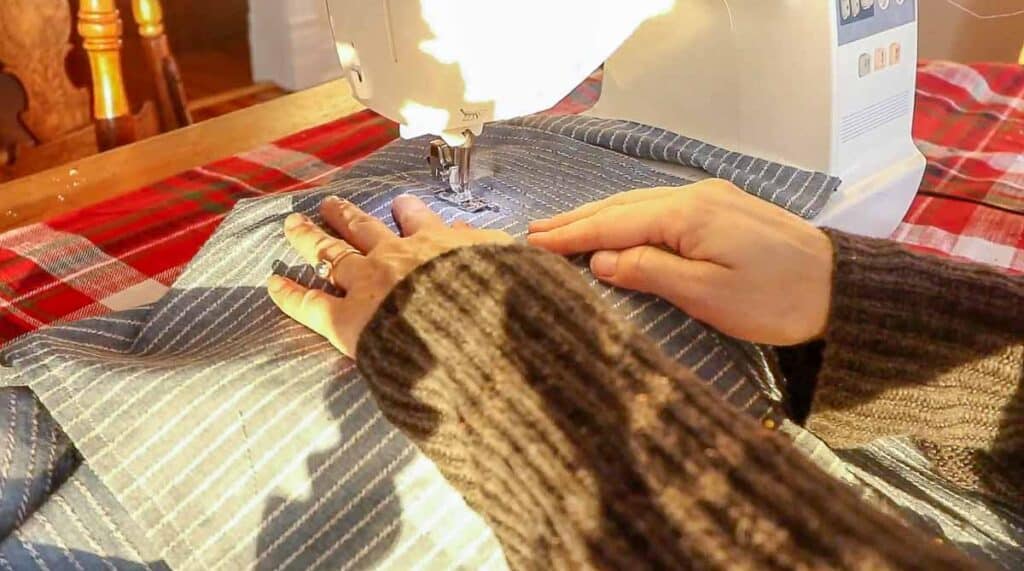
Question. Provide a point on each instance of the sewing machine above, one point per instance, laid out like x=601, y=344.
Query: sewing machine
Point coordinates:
x=824, y=85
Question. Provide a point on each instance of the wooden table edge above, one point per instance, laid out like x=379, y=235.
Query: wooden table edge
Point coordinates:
x=84, y=182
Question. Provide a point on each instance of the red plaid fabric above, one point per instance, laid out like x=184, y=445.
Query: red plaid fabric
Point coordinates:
x=127, y=251
x=969, y=123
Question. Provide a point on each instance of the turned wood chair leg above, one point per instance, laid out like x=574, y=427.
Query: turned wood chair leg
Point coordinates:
x=174, y=113
x=99, y=24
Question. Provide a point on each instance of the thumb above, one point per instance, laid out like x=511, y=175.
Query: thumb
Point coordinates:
x=653, y=270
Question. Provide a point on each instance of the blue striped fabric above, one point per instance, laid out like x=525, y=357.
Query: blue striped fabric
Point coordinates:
x=800, y=191
x=235, y=438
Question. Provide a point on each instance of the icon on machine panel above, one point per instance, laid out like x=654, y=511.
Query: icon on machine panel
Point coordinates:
x=855, y=10
x=860, y=19
x=880, y=58
x=864, y=65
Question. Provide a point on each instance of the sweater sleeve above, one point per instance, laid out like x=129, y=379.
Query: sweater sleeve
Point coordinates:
x=584, y=447
x=928, y=348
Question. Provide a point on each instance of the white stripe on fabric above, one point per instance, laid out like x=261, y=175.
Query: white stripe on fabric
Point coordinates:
x=971, y=81
x=973, y=248
x=72, y=259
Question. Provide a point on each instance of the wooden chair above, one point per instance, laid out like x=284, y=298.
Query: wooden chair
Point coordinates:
x=60, y=121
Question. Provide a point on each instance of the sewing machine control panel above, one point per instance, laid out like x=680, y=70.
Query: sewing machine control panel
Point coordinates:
x=859, y=19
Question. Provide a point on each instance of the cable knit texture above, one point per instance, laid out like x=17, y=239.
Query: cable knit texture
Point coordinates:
x=584, y=447
x=931, y=349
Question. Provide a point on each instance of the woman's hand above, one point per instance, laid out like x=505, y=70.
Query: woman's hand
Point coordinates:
x=367, y=262
x=746, y=267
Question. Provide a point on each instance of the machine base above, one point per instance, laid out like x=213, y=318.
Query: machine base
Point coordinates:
x=872, y=206
x=875, y=205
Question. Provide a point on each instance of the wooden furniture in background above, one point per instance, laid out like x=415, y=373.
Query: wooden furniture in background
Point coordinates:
x=62, y=120
x=170, y=90
x=99, y=24
x=93, y=179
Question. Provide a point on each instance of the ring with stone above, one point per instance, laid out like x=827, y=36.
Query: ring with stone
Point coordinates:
x=325, y=268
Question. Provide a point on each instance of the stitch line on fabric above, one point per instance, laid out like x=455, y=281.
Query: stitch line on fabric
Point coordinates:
x=334, y=457
x=208, y=420
x=279, y=414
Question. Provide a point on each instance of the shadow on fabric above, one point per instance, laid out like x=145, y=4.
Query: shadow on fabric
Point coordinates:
x=352, y=517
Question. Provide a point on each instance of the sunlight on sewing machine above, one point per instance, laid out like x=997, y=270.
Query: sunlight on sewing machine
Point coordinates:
x=446, y=67
x=525, y=56
x=418, y=119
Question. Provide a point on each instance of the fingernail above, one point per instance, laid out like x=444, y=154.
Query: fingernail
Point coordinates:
x=405, y=198
x=332, y=200
x=275, y=284
x=293, y=220
x=604, y=264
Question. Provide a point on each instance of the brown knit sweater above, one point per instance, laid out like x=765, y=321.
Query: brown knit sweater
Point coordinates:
x=584, y=447
x=921, y=347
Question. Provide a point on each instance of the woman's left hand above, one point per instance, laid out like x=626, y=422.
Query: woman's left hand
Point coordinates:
x=367, y=262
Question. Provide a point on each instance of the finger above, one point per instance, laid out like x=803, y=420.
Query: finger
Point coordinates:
x=311, y=241
x=313, y=244
x=613, y=228
x=311, y=307
x=461, y=225
x=684, y=283
x=590, y=209
x=355, y=226
x=413, y=215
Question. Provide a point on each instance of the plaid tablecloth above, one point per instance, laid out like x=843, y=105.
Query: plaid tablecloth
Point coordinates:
x=126, y=251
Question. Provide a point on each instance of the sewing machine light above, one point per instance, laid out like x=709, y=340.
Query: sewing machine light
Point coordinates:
x=445, y=67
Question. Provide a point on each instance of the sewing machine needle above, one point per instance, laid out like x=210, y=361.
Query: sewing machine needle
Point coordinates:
x=460, y=174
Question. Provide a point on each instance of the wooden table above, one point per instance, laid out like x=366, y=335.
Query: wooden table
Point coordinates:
x=80, y=183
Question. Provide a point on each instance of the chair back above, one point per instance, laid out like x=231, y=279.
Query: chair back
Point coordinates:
x=52, y=120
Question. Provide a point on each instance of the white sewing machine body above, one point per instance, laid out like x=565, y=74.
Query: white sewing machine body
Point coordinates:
x=824, y=85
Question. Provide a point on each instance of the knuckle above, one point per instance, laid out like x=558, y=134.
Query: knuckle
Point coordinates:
x=723, y=191
x=322, y=242
x=300, y=232
x=630, y=268
x=293, y=299
x=313, y=302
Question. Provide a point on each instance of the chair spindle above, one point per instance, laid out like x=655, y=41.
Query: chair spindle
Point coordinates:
x=99, y=24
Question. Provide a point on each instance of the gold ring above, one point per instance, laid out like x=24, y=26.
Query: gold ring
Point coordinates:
x=325, y=268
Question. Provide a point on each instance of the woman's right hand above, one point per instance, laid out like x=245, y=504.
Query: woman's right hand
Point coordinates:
x=743, y=265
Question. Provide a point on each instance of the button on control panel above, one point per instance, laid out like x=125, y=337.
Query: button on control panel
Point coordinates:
x=864, y=65
x=881, y=58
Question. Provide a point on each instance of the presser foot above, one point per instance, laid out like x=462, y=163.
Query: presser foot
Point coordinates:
x=451, y=166
x=465, y=201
